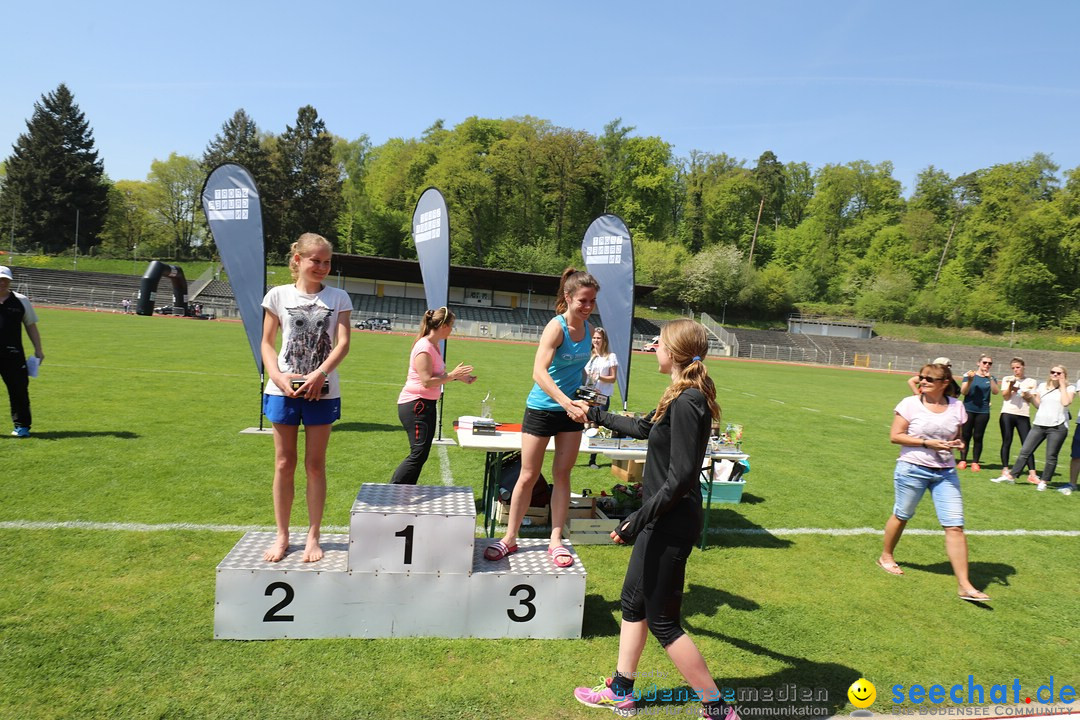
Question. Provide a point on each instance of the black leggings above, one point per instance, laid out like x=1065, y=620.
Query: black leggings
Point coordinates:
x=418, y=419
x=13, y=370
x=653, y=587
x=1022, y=424
x=973, y=432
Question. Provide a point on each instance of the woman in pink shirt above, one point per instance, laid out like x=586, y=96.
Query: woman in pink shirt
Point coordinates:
x=927, y=428
x=423, y=386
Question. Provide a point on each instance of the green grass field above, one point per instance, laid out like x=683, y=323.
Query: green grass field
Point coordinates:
x=137, y=420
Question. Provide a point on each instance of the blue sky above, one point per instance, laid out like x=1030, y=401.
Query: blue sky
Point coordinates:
x=959, y=85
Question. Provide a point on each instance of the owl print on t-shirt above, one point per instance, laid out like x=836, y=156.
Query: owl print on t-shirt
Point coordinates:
x=309, y=342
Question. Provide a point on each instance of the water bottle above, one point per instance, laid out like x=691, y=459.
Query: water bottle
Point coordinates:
x=487, y=406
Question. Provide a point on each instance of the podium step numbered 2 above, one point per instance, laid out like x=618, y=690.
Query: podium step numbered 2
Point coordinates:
x=410, y=566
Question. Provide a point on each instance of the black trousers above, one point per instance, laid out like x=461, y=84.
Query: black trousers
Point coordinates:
x=1022, y=424
x=972, y=433
x=653, y=588
x=13, y=371
x=418, y=418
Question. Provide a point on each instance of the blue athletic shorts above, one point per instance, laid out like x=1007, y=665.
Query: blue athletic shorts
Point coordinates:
x=294, y=411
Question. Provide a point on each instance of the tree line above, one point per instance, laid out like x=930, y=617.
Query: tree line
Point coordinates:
x=988, y=248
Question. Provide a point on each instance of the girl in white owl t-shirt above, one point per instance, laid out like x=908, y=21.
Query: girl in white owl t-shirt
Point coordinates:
x=303, y=385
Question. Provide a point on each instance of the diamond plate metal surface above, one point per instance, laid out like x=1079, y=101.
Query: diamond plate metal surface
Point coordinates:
x=530, y=559
x=415, y=499
x=248, y=554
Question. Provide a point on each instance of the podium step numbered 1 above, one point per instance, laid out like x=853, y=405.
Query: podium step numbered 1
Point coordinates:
x=410, y=566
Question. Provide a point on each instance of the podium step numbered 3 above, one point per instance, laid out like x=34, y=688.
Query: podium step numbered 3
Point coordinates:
x=410, y=566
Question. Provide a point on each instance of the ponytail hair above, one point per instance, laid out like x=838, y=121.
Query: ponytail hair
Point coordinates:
x=435, y=319
x=687, y=343
x=305, y=245
x=571, y=281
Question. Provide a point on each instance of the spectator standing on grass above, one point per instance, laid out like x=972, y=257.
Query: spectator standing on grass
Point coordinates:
x=1016, y=415
x=1074, y=464
x=977, y=388
x=927, y=427
x=600, y=373
x=666, y=528
x=1051, y=423
x=16, y=312
x=303, y=385
x=423, y=386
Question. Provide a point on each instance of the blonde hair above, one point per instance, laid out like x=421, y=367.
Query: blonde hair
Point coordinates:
x=571, y=281
x=435, y=319
x=305, y=245
x=604, y=349
x=687, y=343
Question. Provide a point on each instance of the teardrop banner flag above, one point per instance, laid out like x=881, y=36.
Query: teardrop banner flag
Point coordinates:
x=230, y=200
x=609, y=257
x=431, y=234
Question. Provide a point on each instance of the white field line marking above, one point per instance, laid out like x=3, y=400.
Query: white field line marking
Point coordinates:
x=778, y=402
x=444, y=466
x=848, y=417
x=810, y=409
x=200, y=372
x=777, y=532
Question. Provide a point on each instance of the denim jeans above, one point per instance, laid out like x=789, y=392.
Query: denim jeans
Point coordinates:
x=1055, y=438
x=911, y=481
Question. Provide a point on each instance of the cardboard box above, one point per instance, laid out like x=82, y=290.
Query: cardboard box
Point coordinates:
x=628, y=471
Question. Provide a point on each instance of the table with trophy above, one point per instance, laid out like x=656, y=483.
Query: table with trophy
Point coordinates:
x=499, y=441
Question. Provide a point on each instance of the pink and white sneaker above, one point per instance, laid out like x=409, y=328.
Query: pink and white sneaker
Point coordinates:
x=602, y=696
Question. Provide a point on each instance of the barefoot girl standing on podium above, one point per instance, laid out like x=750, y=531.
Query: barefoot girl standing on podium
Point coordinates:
x=550, y=411
x=303, y=385
x=667, y=526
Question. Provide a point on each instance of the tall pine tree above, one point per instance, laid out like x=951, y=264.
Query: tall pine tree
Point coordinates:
x=55, y=180
x=304, y=192
x=238, y=142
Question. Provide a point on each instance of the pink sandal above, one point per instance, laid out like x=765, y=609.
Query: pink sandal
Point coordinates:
x=561, y=556
x=499, y=550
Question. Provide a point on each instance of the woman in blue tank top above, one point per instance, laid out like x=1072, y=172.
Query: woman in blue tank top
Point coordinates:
x=565, y=347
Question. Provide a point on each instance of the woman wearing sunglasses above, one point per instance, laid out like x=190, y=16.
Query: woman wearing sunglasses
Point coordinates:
x=927, y=429
x=1051, y=424
x=978, y=386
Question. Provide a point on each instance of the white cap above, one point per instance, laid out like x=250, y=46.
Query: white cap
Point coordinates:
x=5, y=272
x=942, y=361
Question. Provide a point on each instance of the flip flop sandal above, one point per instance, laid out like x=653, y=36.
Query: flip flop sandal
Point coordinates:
x=974, y=597
x=561, y=556
x=499, y=550
x=891, y=568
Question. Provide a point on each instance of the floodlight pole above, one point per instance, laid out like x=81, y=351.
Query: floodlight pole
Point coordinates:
x=75, y=260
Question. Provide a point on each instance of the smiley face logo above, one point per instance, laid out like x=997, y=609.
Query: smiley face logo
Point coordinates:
x=862, y=693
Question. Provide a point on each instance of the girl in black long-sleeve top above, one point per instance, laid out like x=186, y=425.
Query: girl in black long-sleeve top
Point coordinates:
x=668, y=525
